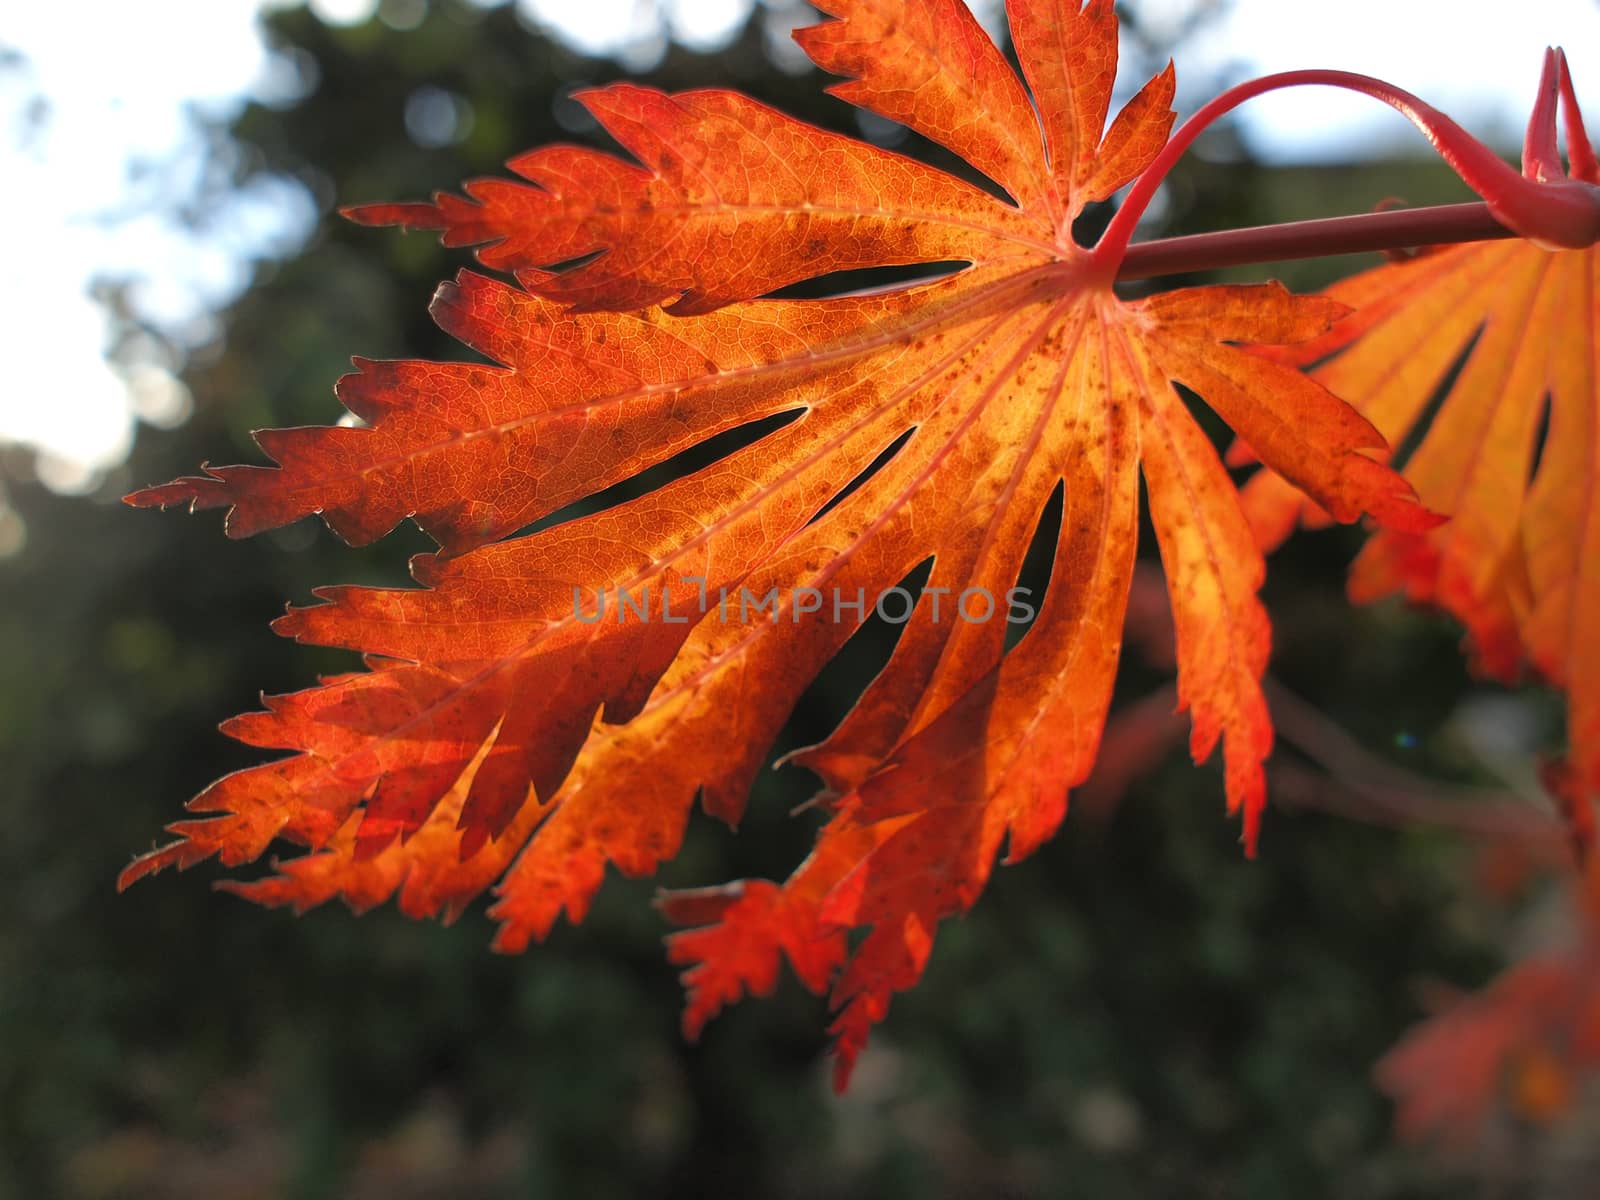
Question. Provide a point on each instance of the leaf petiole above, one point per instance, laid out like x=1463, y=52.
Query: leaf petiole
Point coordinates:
x=1400, y=229
x=1563, y=212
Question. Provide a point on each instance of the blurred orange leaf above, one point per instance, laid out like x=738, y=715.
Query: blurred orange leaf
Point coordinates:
x=1521, y=1047
x=1510, y=332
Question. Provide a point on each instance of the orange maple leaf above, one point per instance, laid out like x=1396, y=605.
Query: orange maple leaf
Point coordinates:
x=1522, y=1046
x=1512, y=453
x=512, y=726
x=1509, y=333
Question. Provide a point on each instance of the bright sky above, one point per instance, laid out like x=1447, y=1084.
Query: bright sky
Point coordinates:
x=98, y=147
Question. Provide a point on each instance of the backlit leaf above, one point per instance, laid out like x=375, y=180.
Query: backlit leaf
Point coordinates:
x=1512, y=454
x=518, y=722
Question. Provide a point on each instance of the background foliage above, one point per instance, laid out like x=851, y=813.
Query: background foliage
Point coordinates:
x=1134, y=1012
